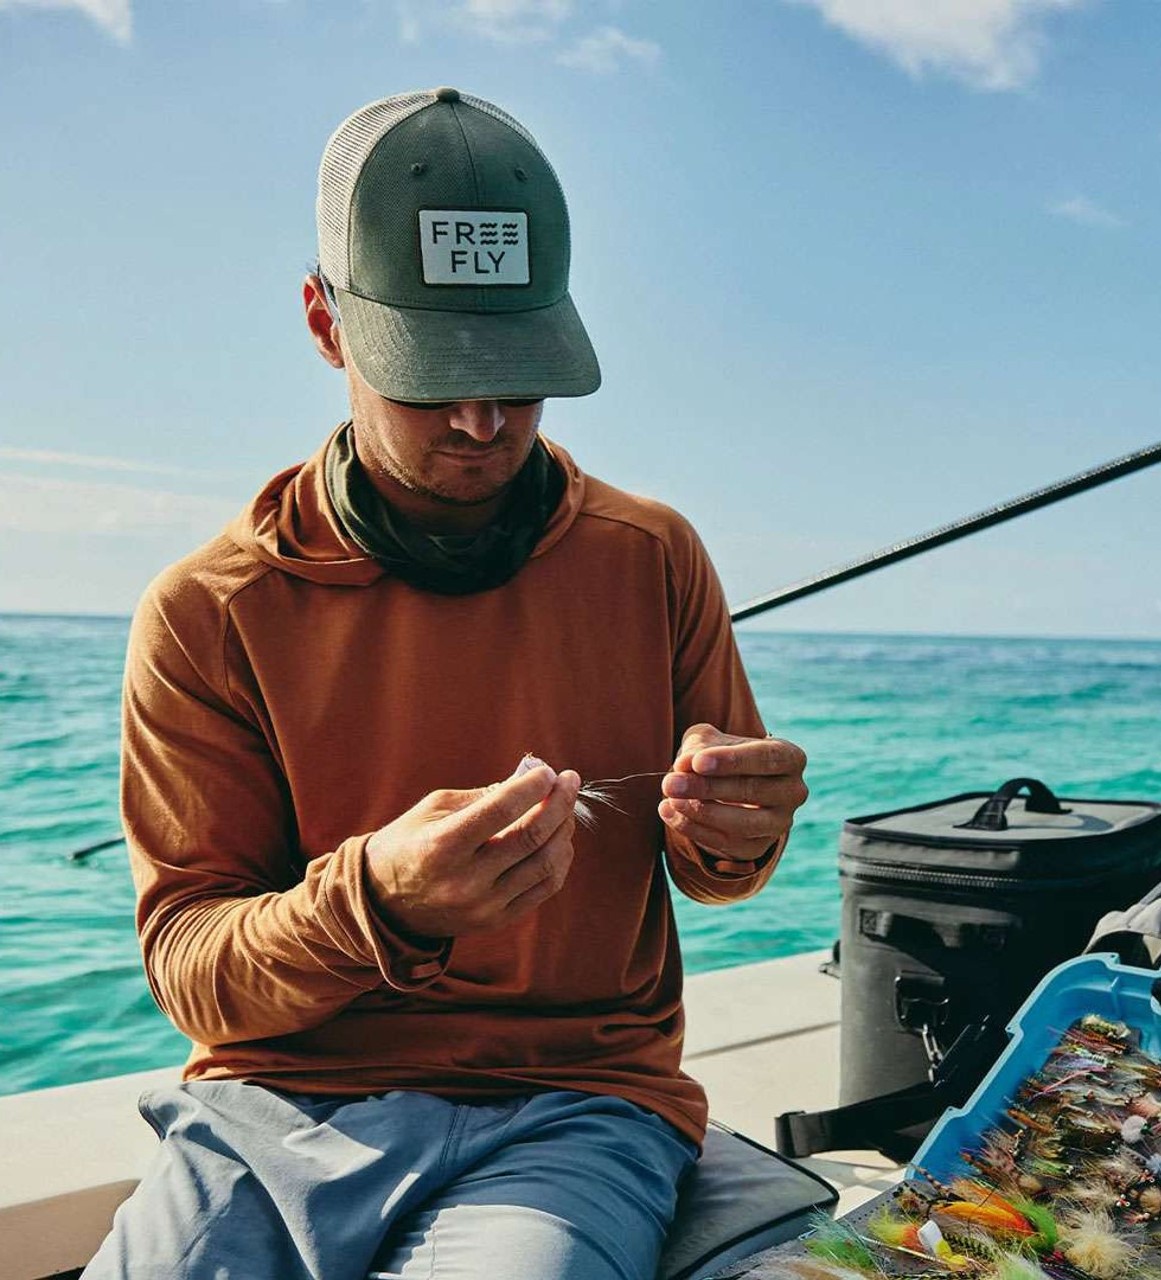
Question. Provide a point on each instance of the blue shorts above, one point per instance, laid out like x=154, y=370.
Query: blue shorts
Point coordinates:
x=250, y=1184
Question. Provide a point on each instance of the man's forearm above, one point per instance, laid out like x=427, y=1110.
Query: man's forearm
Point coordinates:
x=228, y=968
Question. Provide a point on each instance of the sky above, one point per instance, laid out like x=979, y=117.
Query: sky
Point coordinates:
x=853, y=269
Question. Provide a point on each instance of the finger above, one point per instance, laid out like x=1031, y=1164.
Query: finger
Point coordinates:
x=769, y=756
x=446, y=801
x=547, y=868
x=699, y=737
x=773, y=791
x=726, y=823
x=528, y=901
x=499, y=806
x=738, y=853
x=534, y=828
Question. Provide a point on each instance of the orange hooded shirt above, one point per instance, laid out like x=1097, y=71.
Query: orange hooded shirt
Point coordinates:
x=285, y=697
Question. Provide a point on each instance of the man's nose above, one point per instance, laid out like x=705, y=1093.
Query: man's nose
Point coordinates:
x=480, y=419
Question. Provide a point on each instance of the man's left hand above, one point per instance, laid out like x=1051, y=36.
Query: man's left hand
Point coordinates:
x=733, y=797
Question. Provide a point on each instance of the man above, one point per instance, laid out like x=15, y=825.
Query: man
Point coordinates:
x=436, y=1026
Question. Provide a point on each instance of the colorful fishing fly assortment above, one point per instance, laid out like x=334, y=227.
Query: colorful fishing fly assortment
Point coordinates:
x=1064, y=1185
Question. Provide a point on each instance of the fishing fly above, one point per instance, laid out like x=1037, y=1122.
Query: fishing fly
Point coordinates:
x=593, y=796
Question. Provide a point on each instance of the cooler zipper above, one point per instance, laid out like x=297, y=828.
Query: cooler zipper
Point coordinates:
x=883, y=871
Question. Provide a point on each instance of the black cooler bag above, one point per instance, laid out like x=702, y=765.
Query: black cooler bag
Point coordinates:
x=951, y=913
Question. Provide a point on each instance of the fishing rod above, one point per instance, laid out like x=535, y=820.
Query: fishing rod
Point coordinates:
x=899, y=551
x=79, y=855
x=950, y=532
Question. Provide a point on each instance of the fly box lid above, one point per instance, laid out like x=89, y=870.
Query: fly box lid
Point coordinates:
x=1006, y=834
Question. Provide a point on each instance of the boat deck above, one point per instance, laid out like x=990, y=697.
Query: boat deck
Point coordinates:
x=762, y=1038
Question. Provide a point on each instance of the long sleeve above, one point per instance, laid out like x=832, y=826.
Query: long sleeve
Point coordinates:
x=710, y=686
x=242, y=939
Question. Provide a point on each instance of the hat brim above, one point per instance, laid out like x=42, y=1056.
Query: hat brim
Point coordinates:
x=405, y=353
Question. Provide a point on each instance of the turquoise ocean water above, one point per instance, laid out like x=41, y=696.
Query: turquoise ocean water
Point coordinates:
x=886, y=720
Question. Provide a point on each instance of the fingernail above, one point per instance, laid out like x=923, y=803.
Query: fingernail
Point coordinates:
x=677, y=785
x=707, y=764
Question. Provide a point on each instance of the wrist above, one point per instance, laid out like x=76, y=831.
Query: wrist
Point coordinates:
x=387, y=901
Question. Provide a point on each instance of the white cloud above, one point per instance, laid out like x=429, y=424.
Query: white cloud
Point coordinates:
x=114, y=16
x=410, y=27
x=525, y=22
x=990, y=44
x=1085, y=211
x=516, y=10
x=500, y=21
x=607, y=49
x=96, y=462
x=32, y=505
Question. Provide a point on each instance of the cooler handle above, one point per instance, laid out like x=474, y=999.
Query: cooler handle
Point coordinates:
x=990, y=815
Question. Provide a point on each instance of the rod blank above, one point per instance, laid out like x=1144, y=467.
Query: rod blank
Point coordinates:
x=79, y=855
x=951, y=532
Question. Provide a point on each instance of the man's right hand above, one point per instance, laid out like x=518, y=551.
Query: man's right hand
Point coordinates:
x=466, y=861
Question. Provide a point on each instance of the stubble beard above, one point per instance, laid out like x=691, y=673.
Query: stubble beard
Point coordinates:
x=417, y=484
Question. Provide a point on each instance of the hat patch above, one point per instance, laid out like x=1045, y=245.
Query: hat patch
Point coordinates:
x=473, y=246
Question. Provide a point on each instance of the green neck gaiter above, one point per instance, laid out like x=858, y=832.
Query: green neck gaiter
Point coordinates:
x=455, y=564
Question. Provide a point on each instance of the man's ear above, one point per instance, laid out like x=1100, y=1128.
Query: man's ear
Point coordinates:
x=324, y=328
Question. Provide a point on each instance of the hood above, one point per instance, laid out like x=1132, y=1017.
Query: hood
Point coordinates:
x=292, y=525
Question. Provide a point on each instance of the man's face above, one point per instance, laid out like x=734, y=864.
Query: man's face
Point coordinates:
x=445, y=468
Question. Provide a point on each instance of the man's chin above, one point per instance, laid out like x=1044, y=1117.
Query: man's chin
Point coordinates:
x=467, y=490
x=466, y=496
x=465, y=499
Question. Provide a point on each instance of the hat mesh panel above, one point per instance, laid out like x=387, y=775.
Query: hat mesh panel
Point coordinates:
x=343, y=159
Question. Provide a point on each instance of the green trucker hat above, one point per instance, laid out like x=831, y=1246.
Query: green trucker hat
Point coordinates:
x=444, y=234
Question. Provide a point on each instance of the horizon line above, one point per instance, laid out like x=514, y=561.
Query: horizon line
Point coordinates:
x=34, y=614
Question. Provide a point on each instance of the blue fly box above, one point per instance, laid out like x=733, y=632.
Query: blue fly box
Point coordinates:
x=1089, y=984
